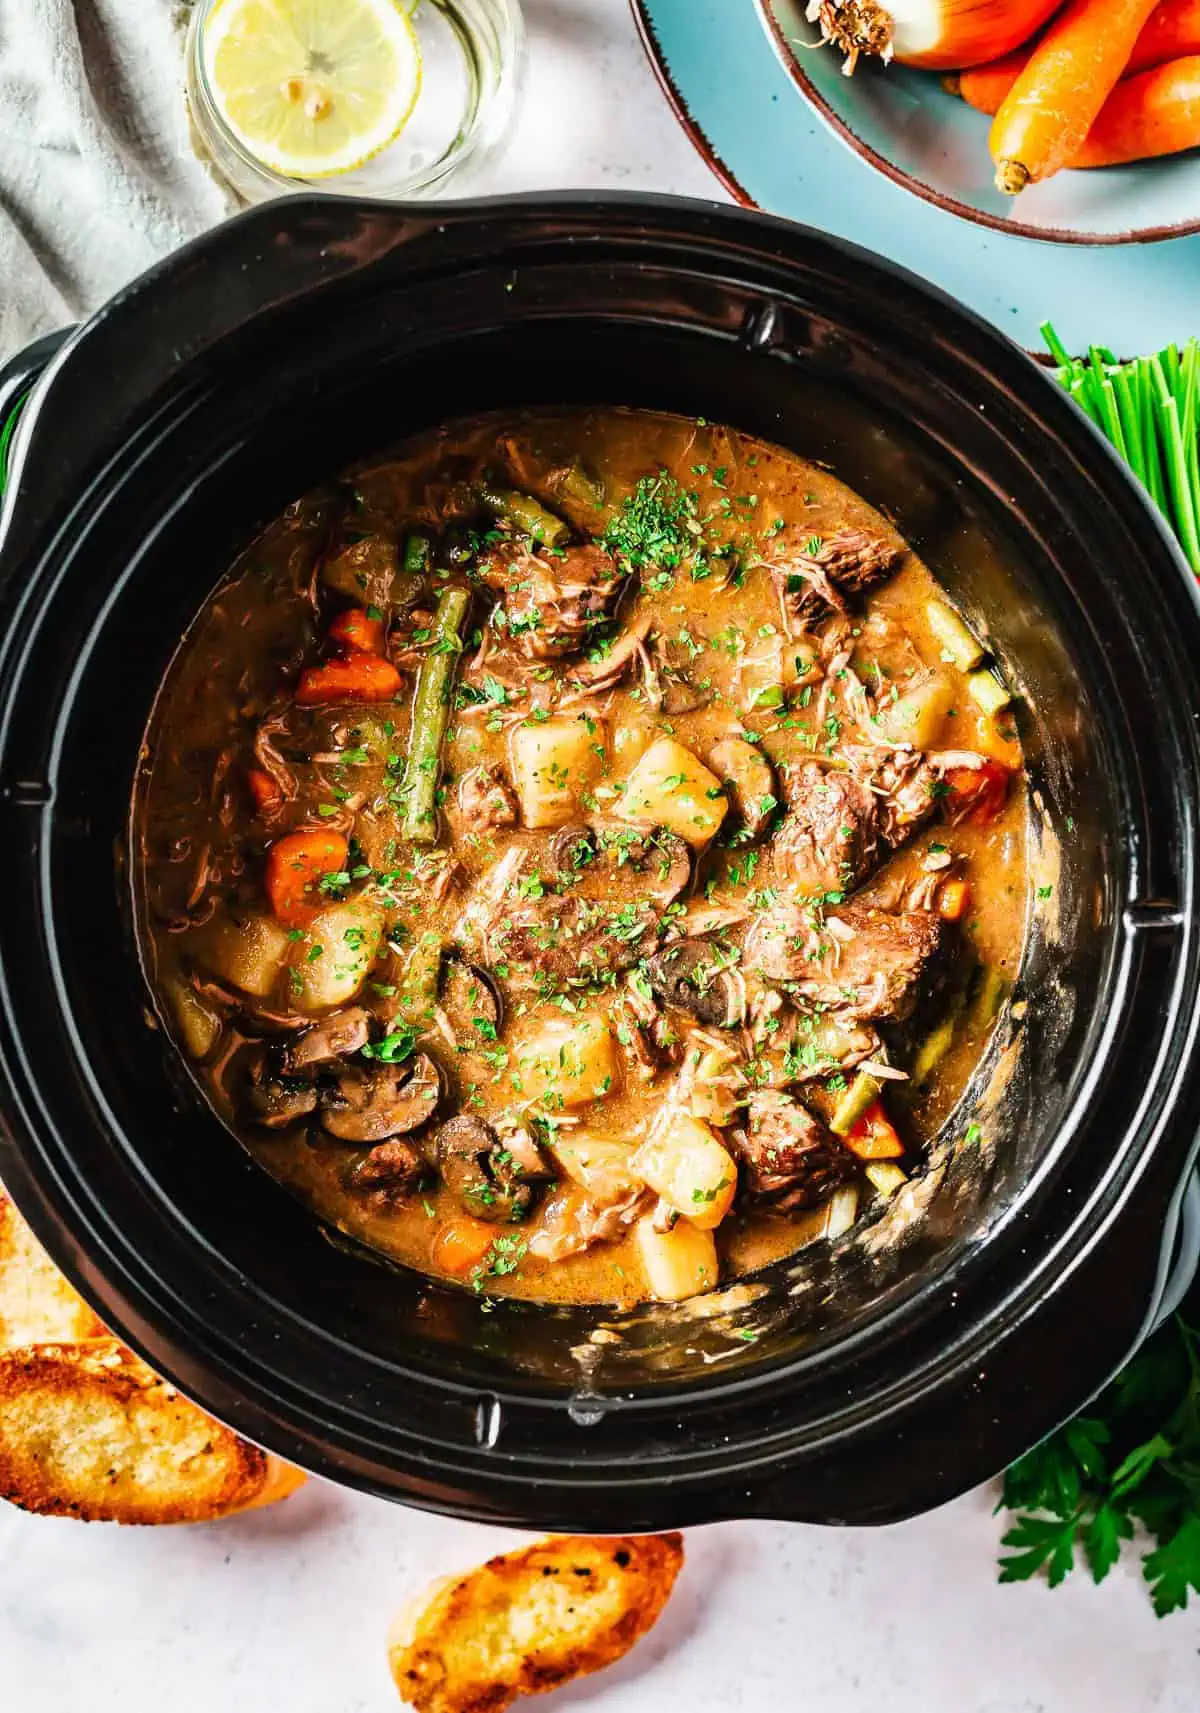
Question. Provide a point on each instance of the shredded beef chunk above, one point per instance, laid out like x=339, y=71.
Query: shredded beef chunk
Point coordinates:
x=556, y=943
x=487, y=800
x=829, y=840
x=788, y=1154
x=390, y=1172
x=869, y=964
x=552, y=604
x=832, y=577
x=904, y=784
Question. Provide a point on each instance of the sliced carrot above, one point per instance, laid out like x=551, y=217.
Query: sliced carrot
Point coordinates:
x=1043, y=120
x=976, y=794
x=1172, y=31
x=1156, y=113
x=461, y=1244
x=358, y=677
x=995, y=737
x=874, y=1137
x=357, y=628
x=296, y=865
x=263, y=789
x=953, y=899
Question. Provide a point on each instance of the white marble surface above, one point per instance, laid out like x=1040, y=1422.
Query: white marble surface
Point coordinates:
x=288, y=1609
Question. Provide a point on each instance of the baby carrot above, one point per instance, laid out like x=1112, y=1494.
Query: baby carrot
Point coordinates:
x=1044, y=118
x=359, y=628
x=358, y=677
x=461, y=1244
x=266, y=794
x=1155, y=113
x=1172, y=31
x=296, y=866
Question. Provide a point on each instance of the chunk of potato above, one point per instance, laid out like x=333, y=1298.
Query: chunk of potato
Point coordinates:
x=198, y=1024
x=918, y=713
x=337, y=954
x=246, y=951
x=630, y=744
x=678, y=1263
x=714, y=1084
x=601, y=1166
x=553, y=764
x=684, y=1163
x=670, y=787
x=567, y=1064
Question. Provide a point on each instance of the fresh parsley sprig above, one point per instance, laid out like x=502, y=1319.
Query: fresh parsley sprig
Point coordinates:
x=1132, y=1462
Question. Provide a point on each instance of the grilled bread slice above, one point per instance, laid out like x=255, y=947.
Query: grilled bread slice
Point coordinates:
x=88, y=1431
x=531, y=1620
x=37, y=1305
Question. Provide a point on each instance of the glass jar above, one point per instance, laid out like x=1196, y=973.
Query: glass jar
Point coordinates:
x=472, y=58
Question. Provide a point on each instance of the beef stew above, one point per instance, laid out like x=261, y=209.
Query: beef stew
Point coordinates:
x=583, y=854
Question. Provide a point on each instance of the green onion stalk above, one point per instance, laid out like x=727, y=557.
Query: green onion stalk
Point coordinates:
x=1148, y=409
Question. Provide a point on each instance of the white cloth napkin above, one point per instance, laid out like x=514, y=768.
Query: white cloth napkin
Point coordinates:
x=97, y=178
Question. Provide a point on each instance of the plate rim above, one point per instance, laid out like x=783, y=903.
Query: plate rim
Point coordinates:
x=800, y=80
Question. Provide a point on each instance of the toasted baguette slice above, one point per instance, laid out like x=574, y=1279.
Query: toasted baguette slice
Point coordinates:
x=531, y=1620
x=88, y=1431
x=37, y=1306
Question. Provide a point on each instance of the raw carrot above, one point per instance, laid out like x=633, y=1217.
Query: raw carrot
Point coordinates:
x=358, y=677
x=263, y=789
x=1044, y=118
x=461, y=1244
x=985, y=86
x=1172, y=31
x=296, y=866
x=1155, y=113
x=874, y=1137
x=357, y=628
x=976, y=794
x=952, y=900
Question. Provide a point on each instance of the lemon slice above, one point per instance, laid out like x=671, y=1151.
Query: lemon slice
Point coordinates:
x=313, y=87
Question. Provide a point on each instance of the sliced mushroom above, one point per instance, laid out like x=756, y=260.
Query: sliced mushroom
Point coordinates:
x=276, y=1102
x=327, y=1042
x=749, y=778
x=682, y=695
x=390, y=1171
x=390, y=1100
x=661, y=856
x=674, y=689
x=483, y=1172
x=626, y=649
x=471, y=1002
x=695, y=977
x=572, y=849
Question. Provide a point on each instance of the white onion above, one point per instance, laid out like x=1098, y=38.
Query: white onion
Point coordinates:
x=941, y=35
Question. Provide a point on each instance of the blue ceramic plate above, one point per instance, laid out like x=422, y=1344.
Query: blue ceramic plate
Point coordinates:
x=770, y=149
x=903, y=122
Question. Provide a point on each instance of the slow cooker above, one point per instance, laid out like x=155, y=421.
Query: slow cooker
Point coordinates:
x=861, y=1381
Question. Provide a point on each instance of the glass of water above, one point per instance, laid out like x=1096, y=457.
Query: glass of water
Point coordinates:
x=471, y=59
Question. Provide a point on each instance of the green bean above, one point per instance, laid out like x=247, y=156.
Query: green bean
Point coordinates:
x=990, y=995
x=431, y=708
x=964, y=649
x=932, y=1051
x=527, y=514
x=857, y=1098
x=578, y=487
x=419, y=987
x=417, y=550
x=985, y=689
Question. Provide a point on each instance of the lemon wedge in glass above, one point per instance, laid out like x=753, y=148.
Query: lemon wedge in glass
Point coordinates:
x=311, y=88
